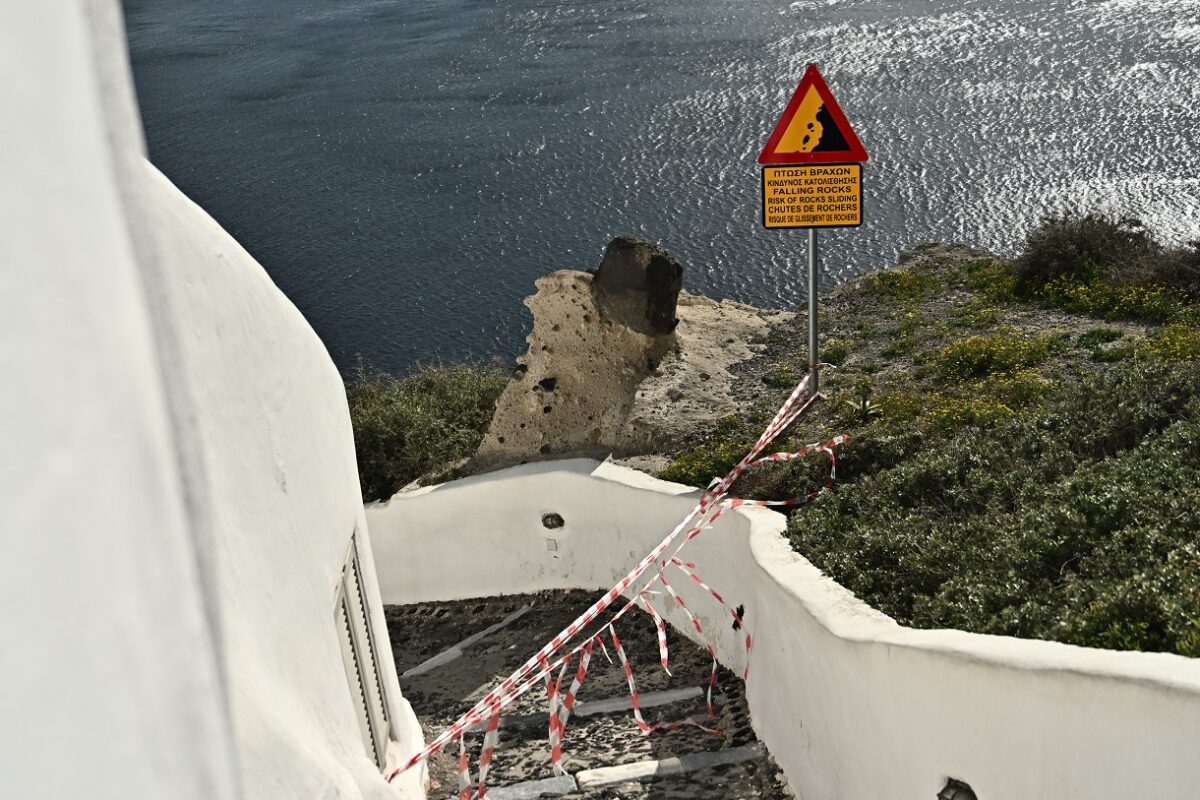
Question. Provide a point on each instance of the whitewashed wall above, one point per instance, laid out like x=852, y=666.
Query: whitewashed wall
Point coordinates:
x=177, y=478
x=110, y=684
x=852, y=705
x=271, y=416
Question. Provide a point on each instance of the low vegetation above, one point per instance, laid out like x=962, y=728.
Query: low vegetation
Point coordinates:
x=1026, y=451
x=1026, y=438
x=718, y=454
x=1075, y=520
x=405, y=427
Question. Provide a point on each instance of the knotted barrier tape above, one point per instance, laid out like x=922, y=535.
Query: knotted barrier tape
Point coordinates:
x=645, y=727
x=540, y=667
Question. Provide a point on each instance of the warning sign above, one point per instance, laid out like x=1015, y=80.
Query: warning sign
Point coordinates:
x=812, y=196
x=813, y=128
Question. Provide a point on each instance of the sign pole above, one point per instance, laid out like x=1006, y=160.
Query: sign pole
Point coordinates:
x=813, y=355
x=812, y=178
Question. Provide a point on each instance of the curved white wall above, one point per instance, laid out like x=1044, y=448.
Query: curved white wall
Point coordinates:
x=110, y=682
x=852, y=705
x=177, y=481
x=272, y=423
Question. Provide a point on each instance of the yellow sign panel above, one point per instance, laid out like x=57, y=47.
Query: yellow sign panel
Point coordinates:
x=812, y=196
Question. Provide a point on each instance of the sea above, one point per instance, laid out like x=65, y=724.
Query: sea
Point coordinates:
x=406, y=169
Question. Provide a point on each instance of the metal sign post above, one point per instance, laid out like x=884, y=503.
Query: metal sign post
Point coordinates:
x=814, y=181
x=814, y=359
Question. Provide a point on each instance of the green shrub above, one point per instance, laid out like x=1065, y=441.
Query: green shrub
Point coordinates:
x=993, y=279
x=949, y=413
x=836, y=351
x=903, y=286
x=1153, y=303
x=1179, y=267
x=1113, y=269
x=1098, y=336
x=1075, y=523
x=1002, y=352
x=1084, y=248
x=405, y=427
x=979, y=313
x=781, y=376
x=699, y=464
x=903, y=345
x=1017, y=389
x=1177, y=342
x=1113, y=354
x=898, y=406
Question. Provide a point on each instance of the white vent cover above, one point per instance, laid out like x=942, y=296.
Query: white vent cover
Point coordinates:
x=358, y=656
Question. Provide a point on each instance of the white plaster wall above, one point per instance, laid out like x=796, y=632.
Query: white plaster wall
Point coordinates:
x=275, y=431
x=852, y=705
x=177, y=482
x=109, y=681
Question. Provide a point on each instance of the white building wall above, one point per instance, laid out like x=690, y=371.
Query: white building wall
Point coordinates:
x=109, y=680
x=275, y=431
x=177, y=487
x=852, y=705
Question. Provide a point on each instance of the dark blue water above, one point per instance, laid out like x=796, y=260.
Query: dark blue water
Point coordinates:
x=405, y=169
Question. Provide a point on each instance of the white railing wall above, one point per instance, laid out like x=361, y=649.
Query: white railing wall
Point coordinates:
x=852, y=705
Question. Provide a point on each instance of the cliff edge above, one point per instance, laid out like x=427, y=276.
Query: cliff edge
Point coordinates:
x=621, y=362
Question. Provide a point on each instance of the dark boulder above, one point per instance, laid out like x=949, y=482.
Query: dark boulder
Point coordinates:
x=637, y=285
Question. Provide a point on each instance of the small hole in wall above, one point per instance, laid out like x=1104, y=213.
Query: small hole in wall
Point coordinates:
x=552, y=521
x=956, y=790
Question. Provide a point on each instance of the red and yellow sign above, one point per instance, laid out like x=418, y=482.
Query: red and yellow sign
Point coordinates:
x=813, y=129
x=812, y=196
x=813, y=138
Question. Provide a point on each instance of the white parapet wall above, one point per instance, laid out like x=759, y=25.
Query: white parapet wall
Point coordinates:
x=852, y=705
x=178, y=488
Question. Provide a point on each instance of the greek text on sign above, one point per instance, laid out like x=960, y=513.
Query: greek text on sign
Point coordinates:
x=812, y=196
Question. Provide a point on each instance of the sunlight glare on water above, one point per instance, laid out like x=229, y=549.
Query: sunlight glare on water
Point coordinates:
x=406, y=170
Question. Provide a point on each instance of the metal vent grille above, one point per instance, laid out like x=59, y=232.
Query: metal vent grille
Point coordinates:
x=358, y=656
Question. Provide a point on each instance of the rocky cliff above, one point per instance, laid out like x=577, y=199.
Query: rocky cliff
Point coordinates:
x=621, y=362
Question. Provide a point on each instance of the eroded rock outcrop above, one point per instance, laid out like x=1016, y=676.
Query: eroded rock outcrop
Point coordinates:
x=620, y=362
x=638, y=284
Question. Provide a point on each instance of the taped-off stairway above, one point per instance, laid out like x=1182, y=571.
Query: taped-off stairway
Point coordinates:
x=449, y=654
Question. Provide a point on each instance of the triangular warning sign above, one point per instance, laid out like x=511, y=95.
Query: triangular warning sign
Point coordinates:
x=813, y=128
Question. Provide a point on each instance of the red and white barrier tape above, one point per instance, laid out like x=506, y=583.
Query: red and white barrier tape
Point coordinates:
x=464, y=770
x=687, y=568
x=554, y=736
x=712, y=681
x=491, y=737
x=645, y=727
x=661, y=629
x=567, y=705
x=530, y=673
x=538, y=667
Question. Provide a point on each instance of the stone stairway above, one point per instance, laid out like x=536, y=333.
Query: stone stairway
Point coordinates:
x=450, y=654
